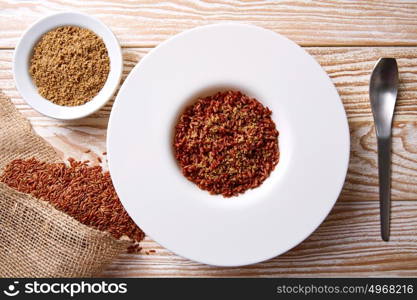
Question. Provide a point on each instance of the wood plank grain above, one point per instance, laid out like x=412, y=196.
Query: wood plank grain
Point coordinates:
x=348, y=67
x=362, y=178
x=347, y=244
x=147, y=23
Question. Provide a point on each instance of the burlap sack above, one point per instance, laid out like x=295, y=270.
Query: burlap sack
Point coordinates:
x=36, y=240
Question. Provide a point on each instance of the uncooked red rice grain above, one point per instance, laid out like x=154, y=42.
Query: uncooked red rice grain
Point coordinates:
x=81, y=191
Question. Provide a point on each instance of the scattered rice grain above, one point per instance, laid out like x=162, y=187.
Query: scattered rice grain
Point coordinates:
x=81, y=191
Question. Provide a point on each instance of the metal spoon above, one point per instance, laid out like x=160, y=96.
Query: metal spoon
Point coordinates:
x=383, y=89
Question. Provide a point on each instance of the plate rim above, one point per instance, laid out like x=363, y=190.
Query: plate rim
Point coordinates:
x=340, y=104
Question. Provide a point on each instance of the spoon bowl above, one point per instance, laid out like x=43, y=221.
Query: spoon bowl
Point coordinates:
x=383, y=91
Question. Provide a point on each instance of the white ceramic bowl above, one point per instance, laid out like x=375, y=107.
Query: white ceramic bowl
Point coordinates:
x=313, y=139
x=28, y=89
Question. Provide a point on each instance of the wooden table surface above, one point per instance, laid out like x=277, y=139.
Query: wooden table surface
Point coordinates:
x=346, y=37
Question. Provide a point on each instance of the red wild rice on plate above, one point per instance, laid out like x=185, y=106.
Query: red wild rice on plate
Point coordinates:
x=226, y=143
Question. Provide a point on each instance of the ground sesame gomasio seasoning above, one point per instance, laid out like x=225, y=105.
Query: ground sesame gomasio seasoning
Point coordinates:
x=226, y=143
x=69, y=65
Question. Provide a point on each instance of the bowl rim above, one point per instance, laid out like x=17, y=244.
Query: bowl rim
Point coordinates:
x=67, y=112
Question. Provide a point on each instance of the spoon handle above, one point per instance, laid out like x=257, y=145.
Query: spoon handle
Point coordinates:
x=384, y=170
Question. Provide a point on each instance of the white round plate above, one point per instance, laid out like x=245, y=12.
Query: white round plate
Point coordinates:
x=263, y=222
x=23, y=52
